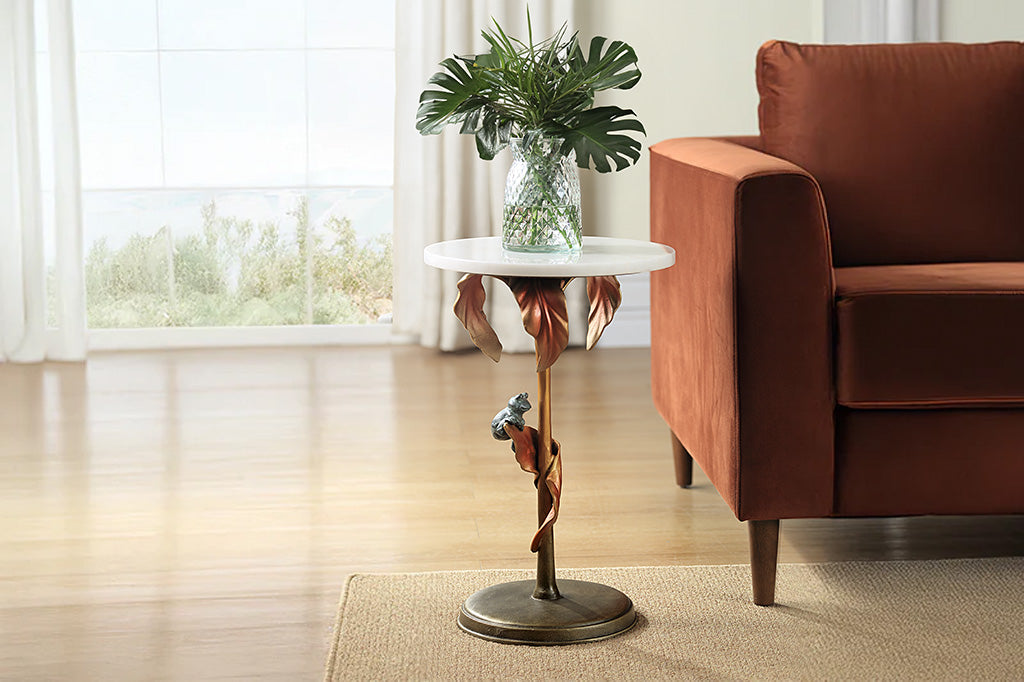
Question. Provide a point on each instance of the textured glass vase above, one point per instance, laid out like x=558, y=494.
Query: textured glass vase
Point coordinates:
x=542, y=198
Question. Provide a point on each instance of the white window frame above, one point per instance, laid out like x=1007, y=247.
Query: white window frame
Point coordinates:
x=167, y=338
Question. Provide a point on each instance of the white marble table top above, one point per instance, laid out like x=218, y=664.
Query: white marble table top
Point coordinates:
x=600, y=256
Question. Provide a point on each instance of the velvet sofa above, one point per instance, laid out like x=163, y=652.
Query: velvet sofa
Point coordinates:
x=843, y=332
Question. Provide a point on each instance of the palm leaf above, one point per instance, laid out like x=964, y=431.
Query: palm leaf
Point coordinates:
x=596, y=135
x=458, y=95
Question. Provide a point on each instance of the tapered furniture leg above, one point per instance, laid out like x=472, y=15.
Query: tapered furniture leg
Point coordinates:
x=684, y=463
x=764, y=555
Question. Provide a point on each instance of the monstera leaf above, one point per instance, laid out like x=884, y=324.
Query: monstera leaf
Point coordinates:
x=597, y=137
x=614, y=67
x=493, y=134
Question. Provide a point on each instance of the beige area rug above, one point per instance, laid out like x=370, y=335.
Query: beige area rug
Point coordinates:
x=926, y=620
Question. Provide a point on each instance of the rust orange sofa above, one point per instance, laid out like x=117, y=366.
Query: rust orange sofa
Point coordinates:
x=843, y=332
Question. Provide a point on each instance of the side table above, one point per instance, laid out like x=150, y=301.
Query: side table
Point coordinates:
x=544, y=611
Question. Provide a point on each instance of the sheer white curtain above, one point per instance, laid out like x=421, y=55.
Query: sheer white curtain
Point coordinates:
x=24, y=333
x=443, y=190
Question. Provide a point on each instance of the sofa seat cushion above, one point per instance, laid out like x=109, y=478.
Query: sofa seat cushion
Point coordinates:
x=941, y=335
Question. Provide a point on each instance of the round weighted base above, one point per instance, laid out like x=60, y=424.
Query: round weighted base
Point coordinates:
x=585, y=612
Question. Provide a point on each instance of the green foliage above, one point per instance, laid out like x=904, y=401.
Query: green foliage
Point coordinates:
x=235, y=272
x=520, y=88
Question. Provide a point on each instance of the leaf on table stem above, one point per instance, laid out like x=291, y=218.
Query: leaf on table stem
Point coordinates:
x=542, y=304
x=524, y=444
x=605, y=296
x=469, y=308
x=553, y=480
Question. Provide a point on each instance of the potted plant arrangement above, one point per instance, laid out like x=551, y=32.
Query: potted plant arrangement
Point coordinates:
x=538, y=99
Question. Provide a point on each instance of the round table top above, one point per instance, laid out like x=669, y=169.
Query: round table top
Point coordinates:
x=600, y=256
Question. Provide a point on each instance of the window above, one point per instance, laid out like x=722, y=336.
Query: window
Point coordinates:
x=236, y=161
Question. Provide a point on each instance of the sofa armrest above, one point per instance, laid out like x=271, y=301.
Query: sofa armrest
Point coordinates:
x=741, y=343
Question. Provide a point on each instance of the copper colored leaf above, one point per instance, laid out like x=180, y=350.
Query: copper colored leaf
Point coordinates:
x=469, y=308
x=553, y=480
x=524, y=444
x=542, y=303
x=605, y=296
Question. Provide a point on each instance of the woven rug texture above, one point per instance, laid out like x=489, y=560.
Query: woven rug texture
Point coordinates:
x=916, y=620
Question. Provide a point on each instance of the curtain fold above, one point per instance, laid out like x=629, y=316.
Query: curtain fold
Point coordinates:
x=25, y=335
x=443, y=190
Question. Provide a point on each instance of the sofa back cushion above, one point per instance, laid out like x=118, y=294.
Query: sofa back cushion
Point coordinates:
x=918, y=148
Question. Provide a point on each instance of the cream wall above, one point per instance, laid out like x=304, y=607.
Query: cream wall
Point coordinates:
x=978, y=21
x=697, y=59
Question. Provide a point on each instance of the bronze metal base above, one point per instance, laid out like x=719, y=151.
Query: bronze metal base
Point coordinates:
x=509, y=613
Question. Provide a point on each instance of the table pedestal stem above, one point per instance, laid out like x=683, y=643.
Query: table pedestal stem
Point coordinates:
x=539, y=612
x=546, y=586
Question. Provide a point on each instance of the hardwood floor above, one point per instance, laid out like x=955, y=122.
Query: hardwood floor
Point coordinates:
x=192, y=515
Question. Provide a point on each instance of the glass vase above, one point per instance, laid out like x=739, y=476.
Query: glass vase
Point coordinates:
x=542, y=198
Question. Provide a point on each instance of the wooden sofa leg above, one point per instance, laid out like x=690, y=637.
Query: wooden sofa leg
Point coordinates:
x=764, y=555
x=684, y=463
